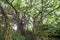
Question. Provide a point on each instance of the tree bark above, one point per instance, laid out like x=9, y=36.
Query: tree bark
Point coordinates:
x=6, y=31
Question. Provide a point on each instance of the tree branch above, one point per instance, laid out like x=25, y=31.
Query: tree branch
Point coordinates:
x=38, y=13
x=45, y=6
x=6, y=28
x=11, y=6
x=16, y=12
x=3, y=12
x=52, y=10
x=12, y=1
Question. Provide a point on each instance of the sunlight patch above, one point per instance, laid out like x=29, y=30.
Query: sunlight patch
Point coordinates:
x=15, y=27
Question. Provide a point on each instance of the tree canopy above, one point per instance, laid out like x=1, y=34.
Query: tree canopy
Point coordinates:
x=29, y=19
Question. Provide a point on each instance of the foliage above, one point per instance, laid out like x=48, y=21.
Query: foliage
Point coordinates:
x=35, y=19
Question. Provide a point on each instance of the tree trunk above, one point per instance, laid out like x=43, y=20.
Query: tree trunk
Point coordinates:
x=6, y=30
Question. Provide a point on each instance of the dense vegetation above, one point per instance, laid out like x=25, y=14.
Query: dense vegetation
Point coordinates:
x=29, y=19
